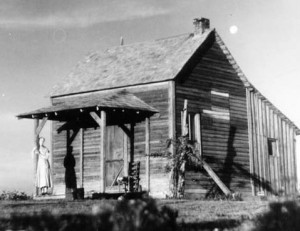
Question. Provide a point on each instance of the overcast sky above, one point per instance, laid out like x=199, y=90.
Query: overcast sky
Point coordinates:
x=41, y=41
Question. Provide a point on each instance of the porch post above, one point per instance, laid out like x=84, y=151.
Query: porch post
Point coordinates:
x=197, y=123
x=103, y=151
x=131, y=142
x=35, y=157
x=125, y=156
x=81, y=157
x=171, y=116
x=37, y=130
x=147, y=152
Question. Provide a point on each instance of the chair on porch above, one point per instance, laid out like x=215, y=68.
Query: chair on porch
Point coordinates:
x=131, y=182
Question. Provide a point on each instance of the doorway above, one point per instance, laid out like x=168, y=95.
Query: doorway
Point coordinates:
x=114, y=157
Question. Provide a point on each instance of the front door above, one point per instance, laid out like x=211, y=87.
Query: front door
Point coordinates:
x=114, y=156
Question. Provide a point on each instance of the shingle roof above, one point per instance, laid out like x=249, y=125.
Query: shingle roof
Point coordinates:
x=116, y=100
x=126, y=65
x=141, y=63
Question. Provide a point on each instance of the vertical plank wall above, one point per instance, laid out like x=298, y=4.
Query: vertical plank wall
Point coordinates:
x=58, y=154
x=155, y=95
x=91, y=158
x=214, y=90
x=274, y=170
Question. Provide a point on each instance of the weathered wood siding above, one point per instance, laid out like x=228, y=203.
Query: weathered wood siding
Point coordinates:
x=272, y=148
x=214, y=90
x=155, y=95
x=58, y=155
x=91, y=158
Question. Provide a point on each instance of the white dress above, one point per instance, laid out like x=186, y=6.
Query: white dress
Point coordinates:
x=43, y=172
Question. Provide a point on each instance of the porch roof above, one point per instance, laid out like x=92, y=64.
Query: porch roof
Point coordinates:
x=76, y=106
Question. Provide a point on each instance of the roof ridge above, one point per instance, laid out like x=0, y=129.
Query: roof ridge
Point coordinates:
x=90, y=53
x=104, y=50
x=172, y=51
x=141, y=42
x=173, y=36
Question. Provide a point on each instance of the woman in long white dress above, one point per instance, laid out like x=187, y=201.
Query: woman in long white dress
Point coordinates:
x=43, y=172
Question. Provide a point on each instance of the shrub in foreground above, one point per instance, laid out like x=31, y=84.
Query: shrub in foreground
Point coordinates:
x=281, y=216
x=141, y=214
x=14, y=195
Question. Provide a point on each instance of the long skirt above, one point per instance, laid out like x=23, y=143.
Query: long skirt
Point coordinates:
x=43, y=174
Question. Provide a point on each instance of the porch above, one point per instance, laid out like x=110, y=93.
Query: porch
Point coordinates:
x=113, y=117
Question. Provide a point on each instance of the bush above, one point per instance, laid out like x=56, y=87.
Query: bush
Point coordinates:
x=14, y=195
x=282, y=216
x=143, y=215
x=135, y=215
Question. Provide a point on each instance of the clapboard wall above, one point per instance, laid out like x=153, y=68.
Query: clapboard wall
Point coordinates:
x=155, y=95
x=245, y=140
x=272, y=148
x=213, y=89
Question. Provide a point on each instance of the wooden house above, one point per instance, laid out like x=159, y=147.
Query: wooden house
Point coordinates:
x=122, y=104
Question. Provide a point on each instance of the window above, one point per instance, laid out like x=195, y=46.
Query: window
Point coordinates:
x=190, y=125
x=191, y=118
x=272, y=147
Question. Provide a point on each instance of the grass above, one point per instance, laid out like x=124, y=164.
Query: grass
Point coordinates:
x=192, y=215
x=188, y=210
x=57, y=207
x=140, y=214
x=215, y=215
x=148, y=214
x=191, y=211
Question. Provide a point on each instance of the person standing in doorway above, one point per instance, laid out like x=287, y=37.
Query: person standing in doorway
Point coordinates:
x=43, y=172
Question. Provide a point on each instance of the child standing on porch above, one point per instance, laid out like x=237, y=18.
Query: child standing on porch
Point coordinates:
x=43, y=172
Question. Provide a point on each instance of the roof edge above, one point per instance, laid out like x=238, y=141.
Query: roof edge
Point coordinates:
x=205, y=40
x=140, y=105
x=248, y=84
x=203, y=37
x=110, y=88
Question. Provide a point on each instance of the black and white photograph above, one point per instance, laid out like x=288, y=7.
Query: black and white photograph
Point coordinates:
x=149, y=115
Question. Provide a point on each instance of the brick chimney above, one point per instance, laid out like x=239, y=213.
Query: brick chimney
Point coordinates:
x=201, y=25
